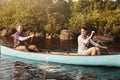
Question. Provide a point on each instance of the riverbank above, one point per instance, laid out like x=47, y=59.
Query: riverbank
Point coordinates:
x=63, y=35
x=58, y=45
x=66, y=40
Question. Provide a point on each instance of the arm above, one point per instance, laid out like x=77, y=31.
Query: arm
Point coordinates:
x=94, y=43
x=97, y=45
x=25, y=38
x=103, y=47
x=85, y=41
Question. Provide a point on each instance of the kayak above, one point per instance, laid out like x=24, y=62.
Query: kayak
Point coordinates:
x=73, y=59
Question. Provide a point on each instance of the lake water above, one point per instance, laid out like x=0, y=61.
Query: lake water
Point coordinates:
x=12, y=68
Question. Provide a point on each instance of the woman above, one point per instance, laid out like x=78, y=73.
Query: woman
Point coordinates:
x=83, y=42
x=19, y=41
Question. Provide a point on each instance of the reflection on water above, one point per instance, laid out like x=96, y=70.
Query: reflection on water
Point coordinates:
x=57, y=44
x=22, y=69
x=6, y=70
x=12, y=68
x=44, y=43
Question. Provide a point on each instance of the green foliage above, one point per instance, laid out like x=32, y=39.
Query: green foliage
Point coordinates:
x=100, y=15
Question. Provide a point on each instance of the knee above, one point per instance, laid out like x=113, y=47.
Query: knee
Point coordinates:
x=21, y=48
x=33, y=47
x=93, y=49
x=97, y=49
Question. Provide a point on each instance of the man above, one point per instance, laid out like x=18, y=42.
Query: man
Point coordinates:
x=19, y=41
x=83, y=42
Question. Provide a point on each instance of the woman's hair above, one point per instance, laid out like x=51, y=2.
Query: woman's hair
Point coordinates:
x=18, y=26
x=84, y=28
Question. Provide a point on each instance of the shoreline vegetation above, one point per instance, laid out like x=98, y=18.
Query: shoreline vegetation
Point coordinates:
x=60, y=19
x=63, y=35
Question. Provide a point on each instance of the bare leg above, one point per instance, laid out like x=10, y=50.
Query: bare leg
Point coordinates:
x=94, y=51
x=91, y=51
x=33, y=48
x=22, y=48
x=98, y=51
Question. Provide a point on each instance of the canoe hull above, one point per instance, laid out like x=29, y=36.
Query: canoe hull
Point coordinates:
x=106, y=60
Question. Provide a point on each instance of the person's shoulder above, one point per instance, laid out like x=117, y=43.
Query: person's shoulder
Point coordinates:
x=79, y=37
x=17, y=33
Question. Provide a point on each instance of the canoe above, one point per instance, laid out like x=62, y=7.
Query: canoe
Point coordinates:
x=103, y=60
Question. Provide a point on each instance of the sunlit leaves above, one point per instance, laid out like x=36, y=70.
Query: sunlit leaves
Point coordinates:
x=102, y=16
x=36, y=15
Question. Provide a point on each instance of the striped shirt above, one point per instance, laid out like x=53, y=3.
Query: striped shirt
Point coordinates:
x=17, y=42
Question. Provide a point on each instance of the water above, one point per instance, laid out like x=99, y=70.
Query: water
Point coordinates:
x=12, y=68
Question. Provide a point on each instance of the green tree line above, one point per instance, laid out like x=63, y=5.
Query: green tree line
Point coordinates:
x=102, y=16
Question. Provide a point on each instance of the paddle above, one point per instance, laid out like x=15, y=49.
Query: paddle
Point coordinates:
x=31, y=39
x=104, y=45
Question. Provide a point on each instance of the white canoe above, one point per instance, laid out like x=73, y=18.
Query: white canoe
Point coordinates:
x=103, y=60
